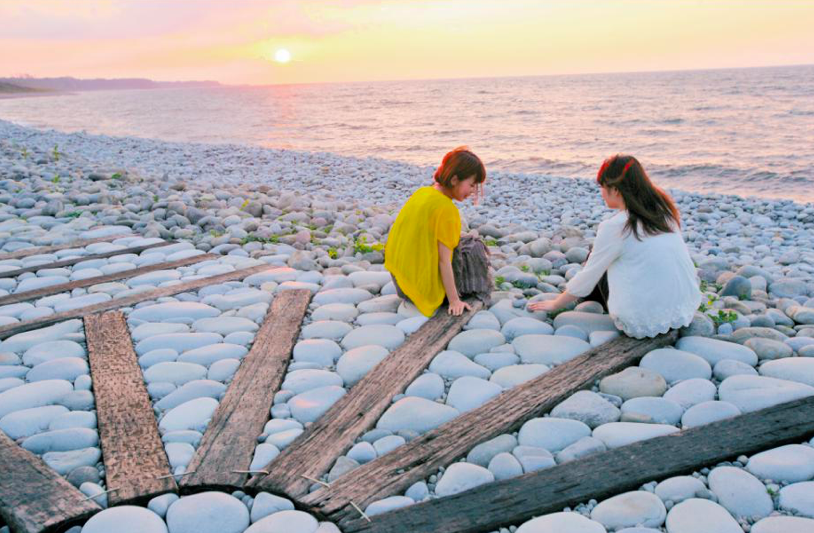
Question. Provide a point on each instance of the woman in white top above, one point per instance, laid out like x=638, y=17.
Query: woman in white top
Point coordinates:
x=652, y=282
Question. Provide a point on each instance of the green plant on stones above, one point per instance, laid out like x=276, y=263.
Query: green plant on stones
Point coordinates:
x=274, y=239
x=73, y=214
x=499, y=280
x=55, y=179
x=24, y=153
x=333, y=253
x=55, y=153
x=244, y=204
x=361, y=246
x=704, y=307
x=490, y=242
x=724, y=317
x=117, y=176
x=524, y=268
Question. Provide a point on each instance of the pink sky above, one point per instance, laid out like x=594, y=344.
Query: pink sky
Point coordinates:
x=356, y=40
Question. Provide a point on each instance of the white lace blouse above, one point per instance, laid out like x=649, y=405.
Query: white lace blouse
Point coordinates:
x=652, y=282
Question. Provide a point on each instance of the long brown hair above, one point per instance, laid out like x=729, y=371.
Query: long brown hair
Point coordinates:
x=646, y=203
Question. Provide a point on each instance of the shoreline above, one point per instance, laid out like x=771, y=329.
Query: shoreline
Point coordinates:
x=398, y=168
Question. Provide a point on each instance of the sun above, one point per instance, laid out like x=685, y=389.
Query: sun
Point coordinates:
x=282, y=55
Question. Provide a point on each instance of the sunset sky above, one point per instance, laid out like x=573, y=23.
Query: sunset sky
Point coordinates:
x=356, y=40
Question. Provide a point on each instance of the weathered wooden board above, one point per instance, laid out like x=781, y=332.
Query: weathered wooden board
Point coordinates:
x=89, y=282
x=33, y=497
x=315, y=451
x=75, y=260
x=26, y=252
x=394, y=472
x=28, y=325
x=222, y=460
x=136, y=464
x=509, y=502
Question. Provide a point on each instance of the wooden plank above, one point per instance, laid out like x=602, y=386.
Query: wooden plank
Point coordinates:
x=89, y=282
x=135, y=461
x=26, y=252
x=223, y=458
x=394, y=472
x=75, y=260
x=33, y=497
x=28, y=325
x=508, y=502
x=315, y=451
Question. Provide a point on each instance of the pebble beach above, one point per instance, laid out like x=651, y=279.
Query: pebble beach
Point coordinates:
x=320, y=220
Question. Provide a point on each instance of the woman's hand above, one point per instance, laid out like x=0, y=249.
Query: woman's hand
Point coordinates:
x=457, y=308
x=552, y=305
x=548, y=306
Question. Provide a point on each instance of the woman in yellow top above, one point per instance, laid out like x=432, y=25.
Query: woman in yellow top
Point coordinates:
x=427, y=230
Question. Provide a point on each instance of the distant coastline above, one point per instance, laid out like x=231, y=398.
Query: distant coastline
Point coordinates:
x=30, y=86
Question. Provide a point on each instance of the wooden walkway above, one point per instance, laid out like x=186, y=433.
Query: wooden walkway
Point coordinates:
x=28, y=325
x=394, y=472
x=75, y=260
x=89, y=282
x=27, y=252
x=33, y=497
x=136, y=465
x=222, y=460
x=509, y=502
x=315, y=451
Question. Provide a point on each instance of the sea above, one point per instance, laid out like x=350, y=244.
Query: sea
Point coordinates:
x=748, y=132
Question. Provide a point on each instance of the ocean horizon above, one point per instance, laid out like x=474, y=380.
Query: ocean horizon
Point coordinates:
x=733, y=131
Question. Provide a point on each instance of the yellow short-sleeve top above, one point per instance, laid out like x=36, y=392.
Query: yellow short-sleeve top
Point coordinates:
x=411, y=253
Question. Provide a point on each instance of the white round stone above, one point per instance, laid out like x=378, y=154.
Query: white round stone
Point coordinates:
x=388, y=504
x=548, y=349
x=208, y=512
x=312, y=404
x=416, y=414
x=618, y=434
x=467, y=393
x=551, y=433
x=676, y=365
x=799, y=369
x=799, y=498
x=561, y=523
x=752, y=393
x=784, y=524
x=343, y=312
x=451, y=364
x=324, y=352
x=462, y=476
x=474, y=341
x=285, y=522
x=52, y=350
x=67, y=368
x=714, y=350
x=299, y=381
x=201, y=388
x=630, y=509
x=657, y=410
x=380, y=334
x=180, y=342
x=708, y=412
x=194, y=414
x=224, y=325
x=173, y=310
x=212, y=353
x=266, y=504
x=790, y=463
x=174, y=372
x=125, y=519
x=633, y=382
x=513, y=375
x=679, y=488
x=326, y=329
x=37, y=394
x=691, y=392
x=700, y=516
x=428, y=385
x=741, y=493
x=519, y=326
x=27, y=422
x=354, y=364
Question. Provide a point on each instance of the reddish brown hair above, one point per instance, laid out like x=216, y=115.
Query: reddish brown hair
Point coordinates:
x=646, y=203
x=462, y=163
